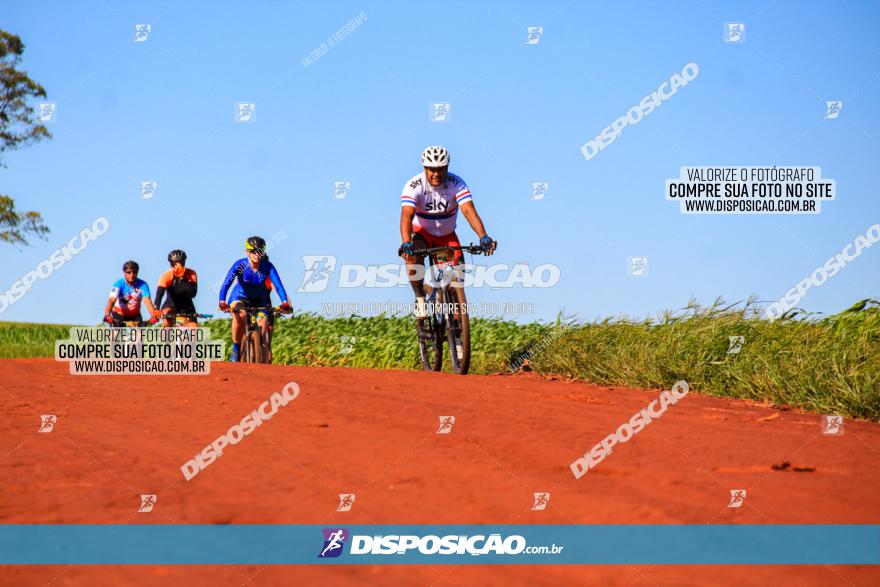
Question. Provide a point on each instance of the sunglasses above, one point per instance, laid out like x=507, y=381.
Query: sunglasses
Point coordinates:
x=129, y=271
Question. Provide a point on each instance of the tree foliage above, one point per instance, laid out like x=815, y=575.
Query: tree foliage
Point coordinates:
x=19, y=126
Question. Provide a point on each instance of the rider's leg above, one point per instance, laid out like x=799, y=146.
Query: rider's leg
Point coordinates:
x=263, y=324
x=190, y=311
x=415, y=266
x=416, y=273
x=191, y=320
x=239, y=326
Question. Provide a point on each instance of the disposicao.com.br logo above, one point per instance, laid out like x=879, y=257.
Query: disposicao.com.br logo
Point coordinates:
x=334, y=540
x=319, y=270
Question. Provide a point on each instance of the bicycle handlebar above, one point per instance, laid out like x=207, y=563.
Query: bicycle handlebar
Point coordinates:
x=130, y=323
x=187, y=315
x=471, y=248
x=276, y=310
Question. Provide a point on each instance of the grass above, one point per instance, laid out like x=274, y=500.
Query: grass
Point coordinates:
x=25, y=339
x=383, y=342
x=827, y=365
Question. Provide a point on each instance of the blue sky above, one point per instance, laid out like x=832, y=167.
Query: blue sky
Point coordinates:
x=163, y=110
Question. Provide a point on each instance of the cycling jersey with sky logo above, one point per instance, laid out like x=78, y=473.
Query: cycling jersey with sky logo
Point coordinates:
x=436, y=207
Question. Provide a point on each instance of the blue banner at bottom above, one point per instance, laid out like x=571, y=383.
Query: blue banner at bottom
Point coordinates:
x=269, y=544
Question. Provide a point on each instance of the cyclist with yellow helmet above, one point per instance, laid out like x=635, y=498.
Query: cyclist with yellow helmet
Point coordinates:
x=254, y=278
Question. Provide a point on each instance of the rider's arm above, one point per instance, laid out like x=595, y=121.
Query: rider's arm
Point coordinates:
x=473, y=218
x=191, y=284
x=407, y=213
x=114, y=295
x=276, y=283
x=150, y=307
x=164, y=282
x=477, y=224
x=465, y=202
x=160, y=293
x=146, y=299
x=234, y=271
x=409, y=201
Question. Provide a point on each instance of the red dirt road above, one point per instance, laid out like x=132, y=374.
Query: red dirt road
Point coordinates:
x=374, y=434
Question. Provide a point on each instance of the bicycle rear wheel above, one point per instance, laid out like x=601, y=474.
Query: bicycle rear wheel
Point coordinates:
x=458, y=330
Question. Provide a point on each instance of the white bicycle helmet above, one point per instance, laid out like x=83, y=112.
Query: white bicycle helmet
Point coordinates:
x=435, y=156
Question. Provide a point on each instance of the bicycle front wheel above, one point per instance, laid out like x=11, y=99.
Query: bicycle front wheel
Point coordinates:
x=458, y=329
x=430, y=349
x=267, y=348
x=254, y=347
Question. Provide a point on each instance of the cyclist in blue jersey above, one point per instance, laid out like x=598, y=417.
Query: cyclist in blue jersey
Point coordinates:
x=126, y=296
x=255, y=278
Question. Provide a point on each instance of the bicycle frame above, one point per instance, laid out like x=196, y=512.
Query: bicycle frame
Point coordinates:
x=446, y=320
x=133, y=323
x=444, y=272
x=181, y=320
x=443, y=275
x=252, y=325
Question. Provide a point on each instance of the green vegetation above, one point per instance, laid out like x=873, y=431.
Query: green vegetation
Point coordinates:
x=827, y=365
x=25, y=340
x=20, y=125
x=383, y=342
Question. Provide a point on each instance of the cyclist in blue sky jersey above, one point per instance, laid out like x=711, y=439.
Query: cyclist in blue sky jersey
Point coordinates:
x=255, y=278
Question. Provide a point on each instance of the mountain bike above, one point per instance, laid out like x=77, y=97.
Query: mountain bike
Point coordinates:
x=181, y=319
x=257, y=348
x=447, y=316
x=117, y=321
